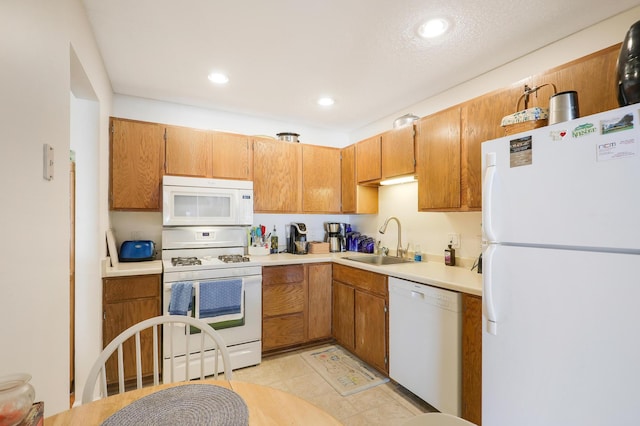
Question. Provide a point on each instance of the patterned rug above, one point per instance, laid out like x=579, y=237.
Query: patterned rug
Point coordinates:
x=341, y=370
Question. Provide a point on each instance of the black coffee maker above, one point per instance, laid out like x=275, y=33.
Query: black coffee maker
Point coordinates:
x=297, y=243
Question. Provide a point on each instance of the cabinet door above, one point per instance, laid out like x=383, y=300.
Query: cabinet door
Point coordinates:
x=398, y=152
x=284, y=306
x=348, y=178
x=136, y=165
x=127, y=301
x=480, y=121
x=344, y=314
x=319, y=276
x=368, y=160
x=355, y=198
x=472, y=358
x=592, y=76
x=371, y=329
x=438, y=153
x=231, y=156
x=320, y=179
x=276, y=176
x=188, y=152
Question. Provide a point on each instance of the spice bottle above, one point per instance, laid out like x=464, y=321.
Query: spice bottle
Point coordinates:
x=450, y=256
x=274, y=241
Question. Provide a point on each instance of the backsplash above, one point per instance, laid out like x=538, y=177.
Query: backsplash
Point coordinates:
x=429, y=230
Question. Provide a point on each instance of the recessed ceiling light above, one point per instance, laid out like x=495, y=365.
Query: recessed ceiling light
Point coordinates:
x=218, y=78
x=433, y=28
x=326, y=101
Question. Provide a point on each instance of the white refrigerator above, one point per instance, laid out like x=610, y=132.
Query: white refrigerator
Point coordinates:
x=561, y=274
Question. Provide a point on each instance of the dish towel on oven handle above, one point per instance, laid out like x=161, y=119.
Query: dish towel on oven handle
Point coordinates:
x=181, y=296
x=220, y=299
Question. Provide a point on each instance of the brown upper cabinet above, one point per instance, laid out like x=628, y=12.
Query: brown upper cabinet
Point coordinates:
x=398, y=152
x=136, y=164
x=231, y=156
x=439, y=160
x=277, y=176
x=188, y=152
x=202, y=153
x=480, y=120
x=368, y=160
x=355, y=198
x=320, y=179
x=592, y=76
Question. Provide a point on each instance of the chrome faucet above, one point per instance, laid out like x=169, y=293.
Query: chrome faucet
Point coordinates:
x=383, y=228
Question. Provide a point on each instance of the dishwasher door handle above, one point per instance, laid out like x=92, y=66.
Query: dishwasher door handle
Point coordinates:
x=416, y=295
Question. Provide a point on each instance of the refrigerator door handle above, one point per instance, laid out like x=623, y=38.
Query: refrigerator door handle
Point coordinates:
x=487, y=197
x=487, y=290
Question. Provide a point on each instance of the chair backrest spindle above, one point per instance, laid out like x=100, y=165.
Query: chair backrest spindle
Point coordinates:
x=218, y=349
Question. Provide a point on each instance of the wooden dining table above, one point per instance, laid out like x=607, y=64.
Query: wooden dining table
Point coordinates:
x=266, y=405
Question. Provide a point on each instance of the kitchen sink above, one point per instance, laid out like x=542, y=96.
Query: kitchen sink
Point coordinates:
x=379, y=260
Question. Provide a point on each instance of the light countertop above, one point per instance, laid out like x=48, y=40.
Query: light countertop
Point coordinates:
x=124, y=269
x=457, y=278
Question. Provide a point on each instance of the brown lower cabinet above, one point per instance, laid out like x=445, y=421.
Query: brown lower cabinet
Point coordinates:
x=127, y=301
x=472, y=358
x=360, y=319
x=296, y=305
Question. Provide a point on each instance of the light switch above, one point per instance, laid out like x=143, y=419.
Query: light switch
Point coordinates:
x=47, y=166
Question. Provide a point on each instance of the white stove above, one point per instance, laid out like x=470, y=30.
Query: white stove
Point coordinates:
x=208, y=254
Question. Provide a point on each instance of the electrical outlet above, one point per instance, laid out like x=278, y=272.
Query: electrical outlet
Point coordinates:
x=454, y=240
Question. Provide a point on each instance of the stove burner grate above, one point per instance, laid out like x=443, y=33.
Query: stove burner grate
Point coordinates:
x=185, y=261
x=233, y=258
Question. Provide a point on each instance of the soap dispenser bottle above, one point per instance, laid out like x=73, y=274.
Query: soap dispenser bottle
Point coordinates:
x=450, y=256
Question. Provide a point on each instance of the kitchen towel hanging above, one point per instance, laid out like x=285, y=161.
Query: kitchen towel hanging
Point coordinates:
x=221, y=299
x=181, y=294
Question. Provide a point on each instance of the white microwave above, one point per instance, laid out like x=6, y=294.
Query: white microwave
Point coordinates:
x=188, y=201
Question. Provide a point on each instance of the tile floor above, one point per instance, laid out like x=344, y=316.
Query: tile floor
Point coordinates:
x=386, y=404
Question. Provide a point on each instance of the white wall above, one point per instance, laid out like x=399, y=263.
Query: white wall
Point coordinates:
x=36, y=37
x=85, y=131
x=201, y=118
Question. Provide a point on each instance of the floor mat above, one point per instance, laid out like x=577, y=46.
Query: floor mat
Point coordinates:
x=341, y=370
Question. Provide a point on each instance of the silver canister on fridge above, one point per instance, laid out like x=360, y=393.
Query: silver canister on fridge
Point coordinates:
x=563, y=106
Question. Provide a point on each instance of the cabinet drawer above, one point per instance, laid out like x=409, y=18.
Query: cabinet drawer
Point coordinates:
x=126, y=288
x=282, y=299
x=282, y=274
x=283, y=331
x=359, y=278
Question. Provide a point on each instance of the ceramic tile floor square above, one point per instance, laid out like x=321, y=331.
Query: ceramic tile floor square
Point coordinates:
x=386, y=404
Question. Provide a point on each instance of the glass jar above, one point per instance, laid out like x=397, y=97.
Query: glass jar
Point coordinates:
x=16, y=398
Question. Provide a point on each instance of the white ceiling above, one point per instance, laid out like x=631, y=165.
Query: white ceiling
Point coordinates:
x=281, y=55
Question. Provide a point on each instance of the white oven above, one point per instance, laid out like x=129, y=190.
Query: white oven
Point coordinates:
x=197, y=256
x=189, y=201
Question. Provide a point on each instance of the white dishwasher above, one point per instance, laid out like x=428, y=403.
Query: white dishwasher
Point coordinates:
x=424, y=342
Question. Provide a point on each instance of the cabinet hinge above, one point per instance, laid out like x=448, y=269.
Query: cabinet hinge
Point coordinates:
x=104, y=315
x=386, y=309
x=386, y=360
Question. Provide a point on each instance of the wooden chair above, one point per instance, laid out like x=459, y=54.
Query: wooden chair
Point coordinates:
x=207, y=334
